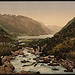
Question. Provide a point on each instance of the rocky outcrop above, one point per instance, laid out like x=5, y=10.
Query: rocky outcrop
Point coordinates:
x=67, y=64
x=6, y=68
x=17, y=53
x=7, y=58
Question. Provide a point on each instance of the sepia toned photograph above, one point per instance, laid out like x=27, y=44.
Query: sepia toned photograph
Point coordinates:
x=37, y=37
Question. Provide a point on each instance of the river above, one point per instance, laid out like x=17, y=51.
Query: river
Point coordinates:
x=43, y=68
x=35, y=37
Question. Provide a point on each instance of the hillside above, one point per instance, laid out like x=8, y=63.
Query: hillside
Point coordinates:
x=68, y=30
x=53, y=28
x=4, y=36
x=61, y=44
x=21, y=25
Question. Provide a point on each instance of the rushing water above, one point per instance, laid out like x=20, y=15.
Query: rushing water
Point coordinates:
x=34, y=37
x=41, y=67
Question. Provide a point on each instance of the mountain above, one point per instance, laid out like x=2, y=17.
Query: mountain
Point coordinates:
x=68, y=30
x=46, y=28
x=62, y=43
x=4, y=36
x=21, y=25
x=53, y=28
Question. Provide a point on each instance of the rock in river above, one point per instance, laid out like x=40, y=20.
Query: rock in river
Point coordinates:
x=52, y=64
x=24, y=61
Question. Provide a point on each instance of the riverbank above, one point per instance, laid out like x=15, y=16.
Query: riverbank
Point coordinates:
x=34, y=60
x=8, y=68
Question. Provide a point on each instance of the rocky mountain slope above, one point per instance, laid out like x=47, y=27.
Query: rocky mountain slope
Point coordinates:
x=68, y=30
x=21, y=25
x=61, y=44
x=4, y=36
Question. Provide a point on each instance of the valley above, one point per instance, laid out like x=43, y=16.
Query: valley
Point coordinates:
x=31, y=49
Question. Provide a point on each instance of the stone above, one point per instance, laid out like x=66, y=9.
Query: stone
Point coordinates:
x=8, y=64
x=2, y=70
x=55, y=69
x=46, y=61
x=54, y=61
x=29, y=51
x=52, y=56
x=29, y=48
x=68, y=70
x=51, y=64
x=24, y=55
x=22, y=72
x=4, y=59
x=24, y=61
x=8, y=70
x=21, y=53
x=29, y=59
x=20, y=49
x=32, y=52
x=34, y=58
x=10, y=58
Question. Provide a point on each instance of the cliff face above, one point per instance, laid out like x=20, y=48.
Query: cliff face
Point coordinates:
x=21, y=25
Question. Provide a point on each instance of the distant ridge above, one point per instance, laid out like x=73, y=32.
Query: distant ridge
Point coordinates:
x=21, y=25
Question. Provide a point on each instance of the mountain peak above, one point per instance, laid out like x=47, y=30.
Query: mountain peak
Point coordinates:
x=21, y=25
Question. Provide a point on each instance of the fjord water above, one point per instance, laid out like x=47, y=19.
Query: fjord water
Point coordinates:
x=35, y=37
x=41, y=67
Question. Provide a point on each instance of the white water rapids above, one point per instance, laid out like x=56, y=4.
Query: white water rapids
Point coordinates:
x=41, y=67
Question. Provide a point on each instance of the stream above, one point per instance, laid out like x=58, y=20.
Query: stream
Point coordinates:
x=43, y=68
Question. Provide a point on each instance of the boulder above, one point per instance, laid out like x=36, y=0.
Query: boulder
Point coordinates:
x=32, y=52
x=10, y=58
x=15, y=54
x=21, y=53
x=22, y=72
x=51, y=64
x=52, y=56
x=4, y=59
x=20, y=49
x=8, y=70
x=24, y=55
x=41, y=58
x=2, y=70
x=61, y=60
x=45, y=58
x=68, y=70
x=29, y=48
x=46, y=61
x=29, y=51
x=54, y=61
x=8, y=64
x=24, y=61
x=66, y=64
x=55, y=69
x=29, y=59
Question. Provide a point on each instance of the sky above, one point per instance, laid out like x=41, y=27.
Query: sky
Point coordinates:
x=48, y=12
